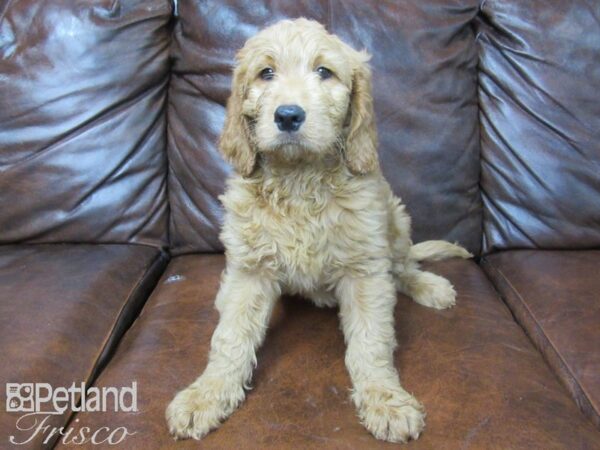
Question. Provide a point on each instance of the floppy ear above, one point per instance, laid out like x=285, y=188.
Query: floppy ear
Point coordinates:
x=361, y=141
x=234, y=143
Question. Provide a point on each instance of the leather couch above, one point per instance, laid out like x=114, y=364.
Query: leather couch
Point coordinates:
x=489, y=120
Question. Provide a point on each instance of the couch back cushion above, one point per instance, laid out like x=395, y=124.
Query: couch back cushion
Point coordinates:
x=425, y=85
x=82, y=121
x=539, y=91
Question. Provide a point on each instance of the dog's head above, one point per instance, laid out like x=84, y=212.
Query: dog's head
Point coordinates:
x=300, y=92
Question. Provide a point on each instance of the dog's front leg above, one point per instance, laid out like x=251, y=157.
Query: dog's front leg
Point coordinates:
x=367, y=314
x=245, y=302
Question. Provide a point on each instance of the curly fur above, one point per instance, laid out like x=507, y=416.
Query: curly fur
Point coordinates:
x=310, y=213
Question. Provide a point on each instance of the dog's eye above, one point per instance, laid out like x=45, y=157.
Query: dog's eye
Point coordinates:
x=267, y=74
x=324, y=72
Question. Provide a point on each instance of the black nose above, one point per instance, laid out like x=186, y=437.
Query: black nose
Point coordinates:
x=289, y=117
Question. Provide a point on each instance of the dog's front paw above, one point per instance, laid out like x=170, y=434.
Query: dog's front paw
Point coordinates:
x=390, y=414
x=202, y=407
x=434, y=291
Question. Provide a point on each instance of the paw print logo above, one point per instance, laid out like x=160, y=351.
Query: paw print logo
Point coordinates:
x=19, y=397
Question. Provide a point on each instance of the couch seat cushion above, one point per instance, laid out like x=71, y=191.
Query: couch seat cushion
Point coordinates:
x=555, y=297
x=62, y=310
x=482, y=382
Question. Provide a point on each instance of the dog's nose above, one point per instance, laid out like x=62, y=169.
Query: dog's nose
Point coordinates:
x=289, y=117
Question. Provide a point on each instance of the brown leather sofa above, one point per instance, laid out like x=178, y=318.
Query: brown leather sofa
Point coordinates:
x=489, y=119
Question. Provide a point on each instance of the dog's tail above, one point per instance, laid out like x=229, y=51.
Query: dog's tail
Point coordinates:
x=436, y=251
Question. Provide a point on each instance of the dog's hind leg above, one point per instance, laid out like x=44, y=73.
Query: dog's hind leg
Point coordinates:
x=425, y=288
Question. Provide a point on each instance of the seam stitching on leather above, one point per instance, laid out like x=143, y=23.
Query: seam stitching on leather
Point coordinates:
x=91, y=377
x=546, y=338
x=476, y=33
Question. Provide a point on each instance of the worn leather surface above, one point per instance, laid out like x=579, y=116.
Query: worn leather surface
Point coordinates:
x=82, y=121
x=540, y=123
x=63, y=309
x=554, y=295
x=482, y=382
x=424, y=64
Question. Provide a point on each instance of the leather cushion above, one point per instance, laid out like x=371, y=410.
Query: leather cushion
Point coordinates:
x=63, y=309
x=539, y=80
x=82, y=119
x=482, y=382
x=424, y=66
x=554, y=295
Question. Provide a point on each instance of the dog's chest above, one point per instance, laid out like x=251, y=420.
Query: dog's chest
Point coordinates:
x=300, y=236
x=304, y=237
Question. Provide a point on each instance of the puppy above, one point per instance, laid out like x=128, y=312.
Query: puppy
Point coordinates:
x=310, y=213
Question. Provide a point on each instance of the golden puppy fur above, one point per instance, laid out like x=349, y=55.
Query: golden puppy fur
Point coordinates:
x=310, y=213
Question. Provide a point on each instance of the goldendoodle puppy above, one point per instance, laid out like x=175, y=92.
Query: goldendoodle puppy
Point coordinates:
x=310, y=213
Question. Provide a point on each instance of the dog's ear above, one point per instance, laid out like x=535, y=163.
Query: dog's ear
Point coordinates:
x=361, y=141
x=235, y=143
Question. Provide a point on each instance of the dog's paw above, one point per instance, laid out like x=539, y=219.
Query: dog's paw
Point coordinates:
x=433, y=291
x=391, y=415
x=201, y=407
